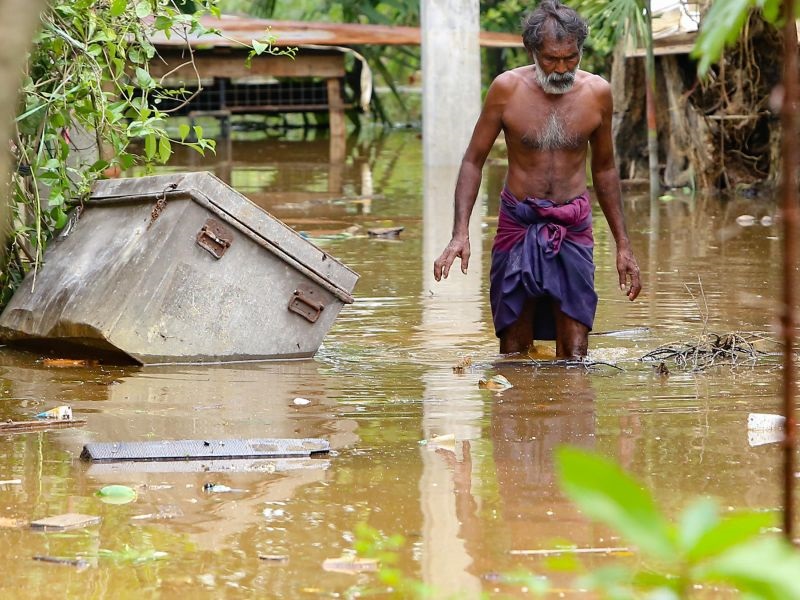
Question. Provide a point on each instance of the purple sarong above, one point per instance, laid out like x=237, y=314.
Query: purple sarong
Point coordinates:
x=543, y=250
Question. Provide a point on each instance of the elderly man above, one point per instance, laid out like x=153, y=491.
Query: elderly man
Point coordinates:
x=542, y=275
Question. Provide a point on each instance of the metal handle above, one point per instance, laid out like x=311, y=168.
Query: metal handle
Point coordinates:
x=303, y=303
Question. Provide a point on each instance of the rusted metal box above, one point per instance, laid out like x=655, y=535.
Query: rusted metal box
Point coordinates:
x=179, y=268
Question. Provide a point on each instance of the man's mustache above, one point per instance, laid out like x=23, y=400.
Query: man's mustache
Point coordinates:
x=567, y=77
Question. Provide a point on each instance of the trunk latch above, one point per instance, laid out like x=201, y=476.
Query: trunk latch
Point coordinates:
x=304, y=302
x=214, y=238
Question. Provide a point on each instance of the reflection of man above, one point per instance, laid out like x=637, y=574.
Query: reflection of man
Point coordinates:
x=542, y=276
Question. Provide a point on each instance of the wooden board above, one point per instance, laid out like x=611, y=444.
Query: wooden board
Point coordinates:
x=65, y=521
x=39, y=425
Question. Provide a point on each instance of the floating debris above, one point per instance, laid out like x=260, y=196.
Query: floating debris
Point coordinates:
x=10, y=482
x=661, y=369
x=618, y=551
x=116, y=494
x=385, y=232
x=218, y=488
x=765, y=421
x=745, y=220
x=711, y=350
x=69, y=362
x=301, y=401
x=39, y=425
x=184, y=450
x=623, y=333
x=62, y=413
x=274, y=559
x=79, y=563
x=443, y=442
x=351, y=565
x=65, y=522
x=464, y=363
x=497, y=383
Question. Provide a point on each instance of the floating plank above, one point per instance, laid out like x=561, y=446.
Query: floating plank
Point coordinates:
x=65, y=521
x=39, y=425
x=204, y=449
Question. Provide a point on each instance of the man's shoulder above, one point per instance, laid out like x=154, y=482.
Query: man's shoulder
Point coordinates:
x=595, y=83
x=508, y=80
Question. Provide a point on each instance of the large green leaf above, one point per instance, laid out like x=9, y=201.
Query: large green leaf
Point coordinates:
x=722, y=25
x=696, y=520
x=606, y=493
x=766, y=568
x=730, y=532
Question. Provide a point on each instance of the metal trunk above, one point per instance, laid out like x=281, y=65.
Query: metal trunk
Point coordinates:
x=175, y=269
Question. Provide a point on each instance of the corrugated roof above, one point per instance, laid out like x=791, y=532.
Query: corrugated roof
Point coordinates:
x=299, y=33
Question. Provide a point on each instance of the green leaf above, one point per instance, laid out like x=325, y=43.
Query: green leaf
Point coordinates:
x=766, y=568
x=118, y=7
x=164, y=149
x=143, y=9
x=258, y=47
x=143, y=79
x=60, y=218
x=603, y=491
x=117, y=494
x=198, y=132
x=731, y=531
x=162, y=23
x=126, y=160
x=183, y=131
x=722, y=25
x=150, y=146
x=697, y=519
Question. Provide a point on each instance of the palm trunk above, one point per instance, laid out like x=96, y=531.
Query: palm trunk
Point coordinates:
x=650, y=99
x=790, y=251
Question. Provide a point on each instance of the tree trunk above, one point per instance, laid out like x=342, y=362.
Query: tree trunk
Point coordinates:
x=19, y=19
x=650, y=98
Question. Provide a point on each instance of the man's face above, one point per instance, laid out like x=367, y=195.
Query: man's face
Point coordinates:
x=556, y=63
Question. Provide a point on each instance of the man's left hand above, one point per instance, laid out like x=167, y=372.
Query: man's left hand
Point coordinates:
x=628, y=274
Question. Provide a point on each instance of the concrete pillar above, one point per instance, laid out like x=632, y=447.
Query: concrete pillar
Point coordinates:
x=451, y=309
x=451, y=78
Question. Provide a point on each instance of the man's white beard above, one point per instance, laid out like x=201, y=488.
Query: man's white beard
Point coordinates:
x=555, y=83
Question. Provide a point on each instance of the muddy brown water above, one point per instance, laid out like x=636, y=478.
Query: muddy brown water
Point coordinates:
x=382, y=383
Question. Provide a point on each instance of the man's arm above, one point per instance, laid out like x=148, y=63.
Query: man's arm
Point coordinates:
x=606, y=184
x=486, y=131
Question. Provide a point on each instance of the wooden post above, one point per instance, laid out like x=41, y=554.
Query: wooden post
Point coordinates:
x=791, y=230
x=336, y=119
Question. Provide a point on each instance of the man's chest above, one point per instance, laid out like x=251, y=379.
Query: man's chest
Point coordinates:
x=563, y=124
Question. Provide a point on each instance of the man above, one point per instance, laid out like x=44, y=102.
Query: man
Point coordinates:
x=542, y=275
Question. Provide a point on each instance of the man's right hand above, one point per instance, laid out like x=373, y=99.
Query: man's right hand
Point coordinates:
x=456, y=248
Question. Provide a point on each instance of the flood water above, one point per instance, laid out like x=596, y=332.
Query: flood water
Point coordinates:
x=382, y=384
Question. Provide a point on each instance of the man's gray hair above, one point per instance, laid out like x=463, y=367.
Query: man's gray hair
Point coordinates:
x=552, y=17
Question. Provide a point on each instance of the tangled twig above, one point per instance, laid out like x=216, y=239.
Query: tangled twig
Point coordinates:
x=712, y=350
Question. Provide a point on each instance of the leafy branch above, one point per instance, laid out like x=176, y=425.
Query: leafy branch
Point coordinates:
x=88, y=91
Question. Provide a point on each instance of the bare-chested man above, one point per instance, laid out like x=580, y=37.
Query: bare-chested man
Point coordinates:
x=542, y=276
